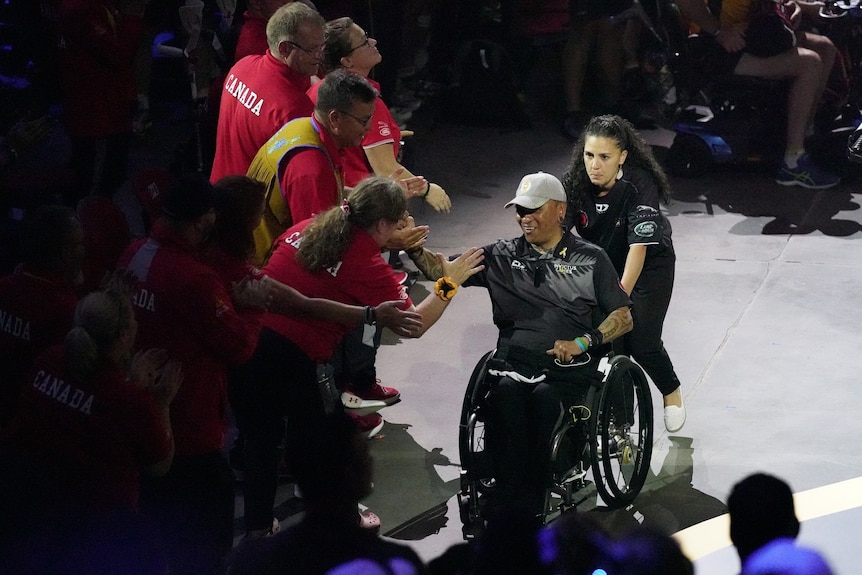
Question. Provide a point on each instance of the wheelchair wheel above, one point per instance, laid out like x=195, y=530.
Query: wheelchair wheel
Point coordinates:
x=476, y=471
x=471, y=428
x=621, y=433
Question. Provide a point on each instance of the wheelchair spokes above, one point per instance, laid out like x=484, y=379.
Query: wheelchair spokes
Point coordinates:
x=609, y=433
x=623, y=435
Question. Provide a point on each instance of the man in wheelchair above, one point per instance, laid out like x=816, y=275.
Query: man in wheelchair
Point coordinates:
x=556, y=300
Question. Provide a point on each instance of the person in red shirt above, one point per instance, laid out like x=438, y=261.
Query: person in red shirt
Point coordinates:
x=183, y=306
x=252, y=34
x=91, y=419
x=263, y=92
x=239, y=206
x=97, y=47
x=301, y=164
x=334, y=256
x=350, y=48
x=37, y=300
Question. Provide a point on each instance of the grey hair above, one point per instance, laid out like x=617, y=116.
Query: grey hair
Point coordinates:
x=285, y=23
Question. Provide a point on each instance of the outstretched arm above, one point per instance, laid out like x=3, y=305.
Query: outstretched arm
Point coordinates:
x=383, y=162
x=427, y=262
x=454, y=273
x=287, y=301
x=408, y=235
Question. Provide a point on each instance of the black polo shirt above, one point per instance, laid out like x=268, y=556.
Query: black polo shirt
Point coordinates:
x=539, y=298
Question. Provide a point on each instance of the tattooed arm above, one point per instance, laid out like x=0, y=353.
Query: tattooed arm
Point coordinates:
x=427, y=263
x=617, y=324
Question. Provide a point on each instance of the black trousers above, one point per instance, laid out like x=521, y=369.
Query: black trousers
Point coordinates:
x=278, y=382
x=193, y=508
x=523, y=420
x=354, y=360
x=650, y=301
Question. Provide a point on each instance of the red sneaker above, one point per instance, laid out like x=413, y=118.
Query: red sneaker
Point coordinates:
x=376, y=396
x=369, y=425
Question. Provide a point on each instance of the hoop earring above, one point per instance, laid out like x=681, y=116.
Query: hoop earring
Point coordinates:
x=620, y=173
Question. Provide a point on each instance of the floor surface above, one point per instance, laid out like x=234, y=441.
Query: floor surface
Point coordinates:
x=763, y=331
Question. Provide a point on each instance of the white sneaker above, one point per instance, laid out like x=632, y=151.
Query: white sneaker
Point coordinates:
x=674, y=417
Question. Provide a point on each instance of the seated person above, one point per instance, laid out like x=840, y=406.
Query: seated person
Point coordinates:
x=554, y=297
x=807, y=66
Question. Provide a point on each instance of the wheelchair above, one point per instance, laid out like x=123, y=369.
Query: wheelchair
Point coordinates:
x=609, y=433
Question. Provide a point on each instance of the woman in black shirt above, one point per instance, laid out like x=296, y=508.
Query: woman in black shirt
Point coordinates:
x=614, y=185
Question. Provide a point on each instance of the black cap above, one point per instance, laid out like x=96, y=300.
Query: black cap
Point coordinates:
x=188, y=198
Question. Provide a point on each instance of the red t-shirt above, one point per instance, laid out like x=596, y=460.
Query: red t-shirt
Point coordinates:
x=384, y=130
x=252, y=38
x=259, y=96
x=308, y=184
x=96, y=435
x=36, y=312
x=362, y=277
x=96, y=55
x=183, y=306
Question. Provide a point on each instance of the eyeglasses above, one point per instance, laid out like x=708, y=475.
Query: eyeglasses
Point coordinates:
x=362, y=121
x=315, y=50
x=522, y=211
x=364, y=43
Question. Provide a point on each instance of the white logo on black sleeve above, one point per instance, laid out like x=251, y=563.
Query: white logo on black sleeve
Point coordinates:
x=645, y=229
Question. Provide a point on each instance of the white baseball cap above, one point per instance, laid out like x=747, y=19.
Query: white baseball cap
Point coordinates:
x=536, y=189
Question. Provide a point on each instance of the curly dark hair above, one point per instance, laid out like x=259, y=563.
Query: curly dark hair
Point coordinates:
x=576, y=181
